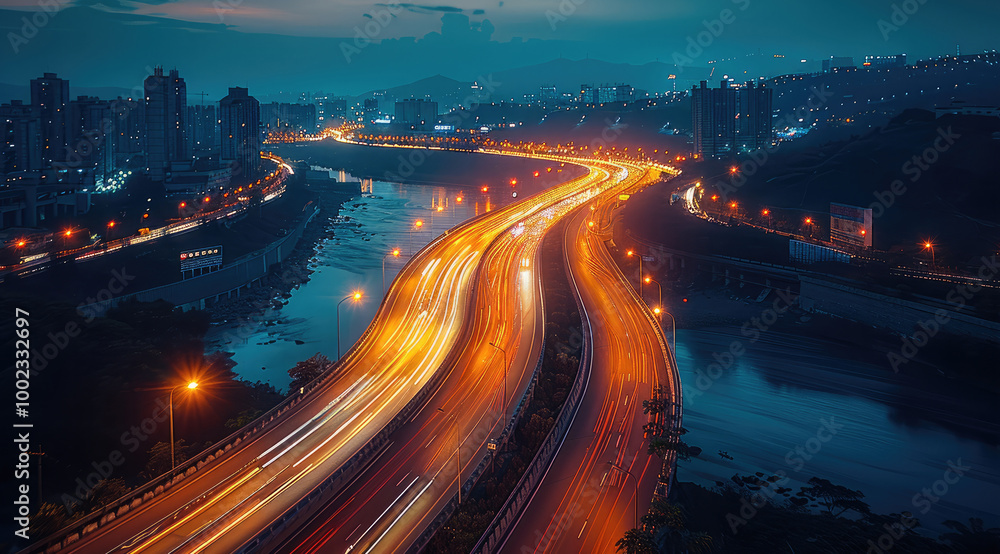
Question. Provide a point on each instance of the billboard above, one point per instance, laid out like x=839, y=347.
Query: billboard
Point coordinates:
x=201, y=258
x=850, y=225
x=809, y=253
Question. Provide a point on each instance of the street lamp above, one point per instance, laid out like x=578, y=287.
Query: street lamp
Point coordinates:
x=355, y=296
x=506, y=370
x=633, y=253
x=658, y=287
x=928, y=245
x=191, y=386
x=418, y=224
x=635, y=507
x=394, y=254
x=673, y=325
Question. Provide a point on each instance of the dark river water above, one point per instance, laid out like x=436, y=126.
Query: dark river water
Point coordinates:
x=894, y=437
x=894, y=434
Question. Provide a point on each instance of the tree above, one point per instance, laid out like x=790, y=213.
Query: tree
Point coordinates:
x=159, y=458
x=307, y=370
x=243, y=419
x=664, y=444
x=636, y=541
x=974, y=538
x=656, y=405
x=668, y=524
x=837, y=499
x=105, y=492
x=49, y=519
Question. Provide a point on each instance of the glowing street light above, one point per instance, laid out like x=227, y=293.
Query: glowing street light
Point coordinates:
x=928, y=245
x=630, y=254
x=355, y=297
x=395, y=254
x=190, y=386
x=658, y=287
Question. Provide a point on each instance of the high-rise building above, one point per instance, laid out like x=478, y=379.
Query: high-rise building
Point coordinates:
x=837, y=62
x=713, y=119
x=166, y=110
x=417, y=113
x=129, y=128
x=547, y=93
x=50, y=95
x=202, y=129
x=20, y=138
x=284, y=117
x=336, y=108
x=754, y=120
x=91, y=134
x=371, y=108
x=730, y=119
x=239, y=125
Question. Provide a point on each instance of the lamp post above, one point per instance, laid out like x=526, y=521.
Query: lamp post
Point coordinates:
x=418, y=224
x=928, y=245
x=192, y=385
x=658, y=287
x=506, y=370
x=673, y=326
x=635, y=507
x=355, y=296
x=634, y=253
x=394, y=254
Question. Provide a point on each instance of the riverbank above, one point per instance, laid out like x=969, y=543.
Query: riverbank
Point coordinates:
x=275, y=288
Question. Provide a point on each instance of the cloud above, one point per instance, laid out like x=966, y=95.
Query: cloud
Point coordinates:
x=425, y=9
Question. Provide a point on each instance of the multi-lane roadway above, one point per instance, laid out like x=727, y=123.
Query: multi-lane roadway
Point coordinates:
x=603, y=477
x=469, y=305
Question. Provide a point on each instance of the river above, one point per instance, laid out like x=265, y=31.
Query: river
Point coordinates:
x=894, y=434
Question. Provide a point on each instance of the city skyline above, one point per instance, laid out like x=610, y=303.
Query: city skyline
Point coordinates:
x=462, y=43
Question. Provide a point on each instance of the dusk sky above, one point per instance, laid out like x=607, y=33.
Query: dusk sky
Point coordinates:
x=298, y=39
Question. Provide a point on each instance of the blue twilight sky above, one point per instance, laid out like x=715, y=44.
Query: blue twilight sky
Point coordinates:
x=311, y=45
